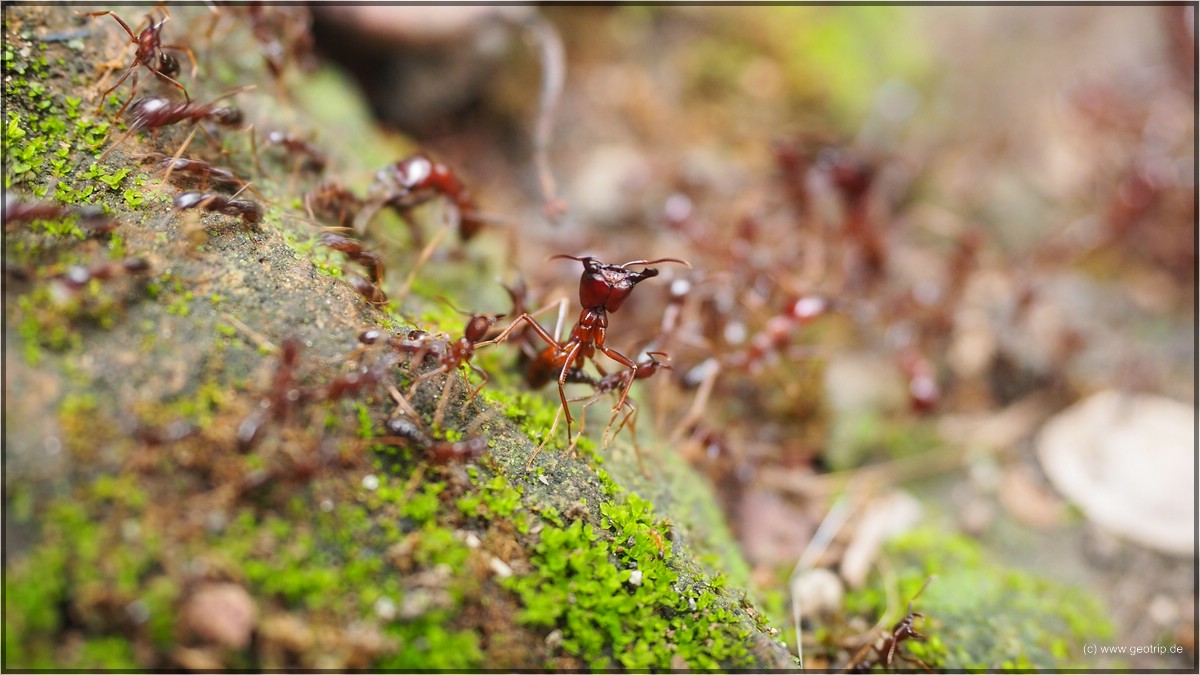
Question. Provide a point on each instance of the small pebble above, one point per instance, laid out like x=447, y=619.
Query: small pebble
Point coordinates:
x=502, y=569
x=221, y=613
x=635, y=578
x=385, y=608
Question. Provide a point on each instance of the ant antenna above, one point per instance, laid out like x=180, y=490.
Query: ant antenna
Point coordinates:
x=928, y=579
x=655, y=261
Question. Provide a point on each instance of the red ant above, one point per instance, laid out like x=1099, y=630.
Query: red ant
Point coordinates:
x=403, y=431
x=332, y=201
x=280, y=399
x=92, y=219
x=77, y=276
x=415, y=180
x=155, y=112
x=313, y=157
x=888, y=649
x=603, y=288
x=281, y=32
x=451, y=356
x=194, y=167
x=149, y=54
x=355, y=251
x=249, y=211
x=371, y=292
x=767, y=342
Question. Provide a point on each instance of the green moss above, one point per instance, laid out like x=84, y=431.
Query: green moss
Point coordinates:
x=106, y=653
x=981, y=615
x=619, y=598
x=426, y=645
x=421, y=507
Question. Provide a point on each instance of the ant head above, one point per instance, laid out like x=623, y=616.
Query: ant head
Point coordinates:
x=605, y=286
x=479, y=325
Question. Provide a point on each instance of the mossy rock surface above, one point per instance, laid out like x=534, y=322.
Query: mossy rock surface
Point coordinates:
x=977, y=614
x=138, y=503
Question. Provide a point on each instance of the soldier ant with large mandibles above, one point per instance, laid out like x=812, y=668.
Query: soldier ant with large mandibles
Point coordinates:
x=150, y=55
x=603, y=288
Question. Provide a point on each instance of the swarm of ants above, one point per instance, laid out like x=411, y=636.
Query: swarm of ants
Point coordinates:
x=734, y=320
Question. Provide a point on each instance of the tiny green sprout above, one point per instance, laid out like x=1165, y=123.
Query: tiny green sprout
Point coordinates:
x=114, y=180
x=133, y=197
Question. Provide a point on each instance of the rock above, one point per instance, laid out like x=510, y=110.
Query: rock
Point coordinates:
x=221, y=613
x=818, y=592
x=1128, y=462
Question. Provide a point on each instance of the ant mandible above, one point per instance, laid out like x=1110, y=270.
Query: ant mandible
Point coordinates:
x=149, y=54
x=603, y=288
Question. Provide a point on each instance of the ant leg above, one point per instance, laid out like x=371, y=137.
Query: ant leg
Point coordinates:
x=913, y=659
x=545, y=440
x=441, y=406
x=630, y=419
x=258, y=165
x=528, y=320
x=483, y=374
x=128, y=71
x=174, y=83
x=116, y=143
x=696, y=411
x=421, y=260
x=424, y=376
x=113, y=14
x=402, y=404
x=569, y=358
x=178, y=154
x=365, y=214
x=628, y=363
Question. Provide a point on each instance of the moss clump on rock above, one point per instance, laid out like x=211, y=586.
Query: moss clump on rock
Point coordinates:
x=980, y=615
